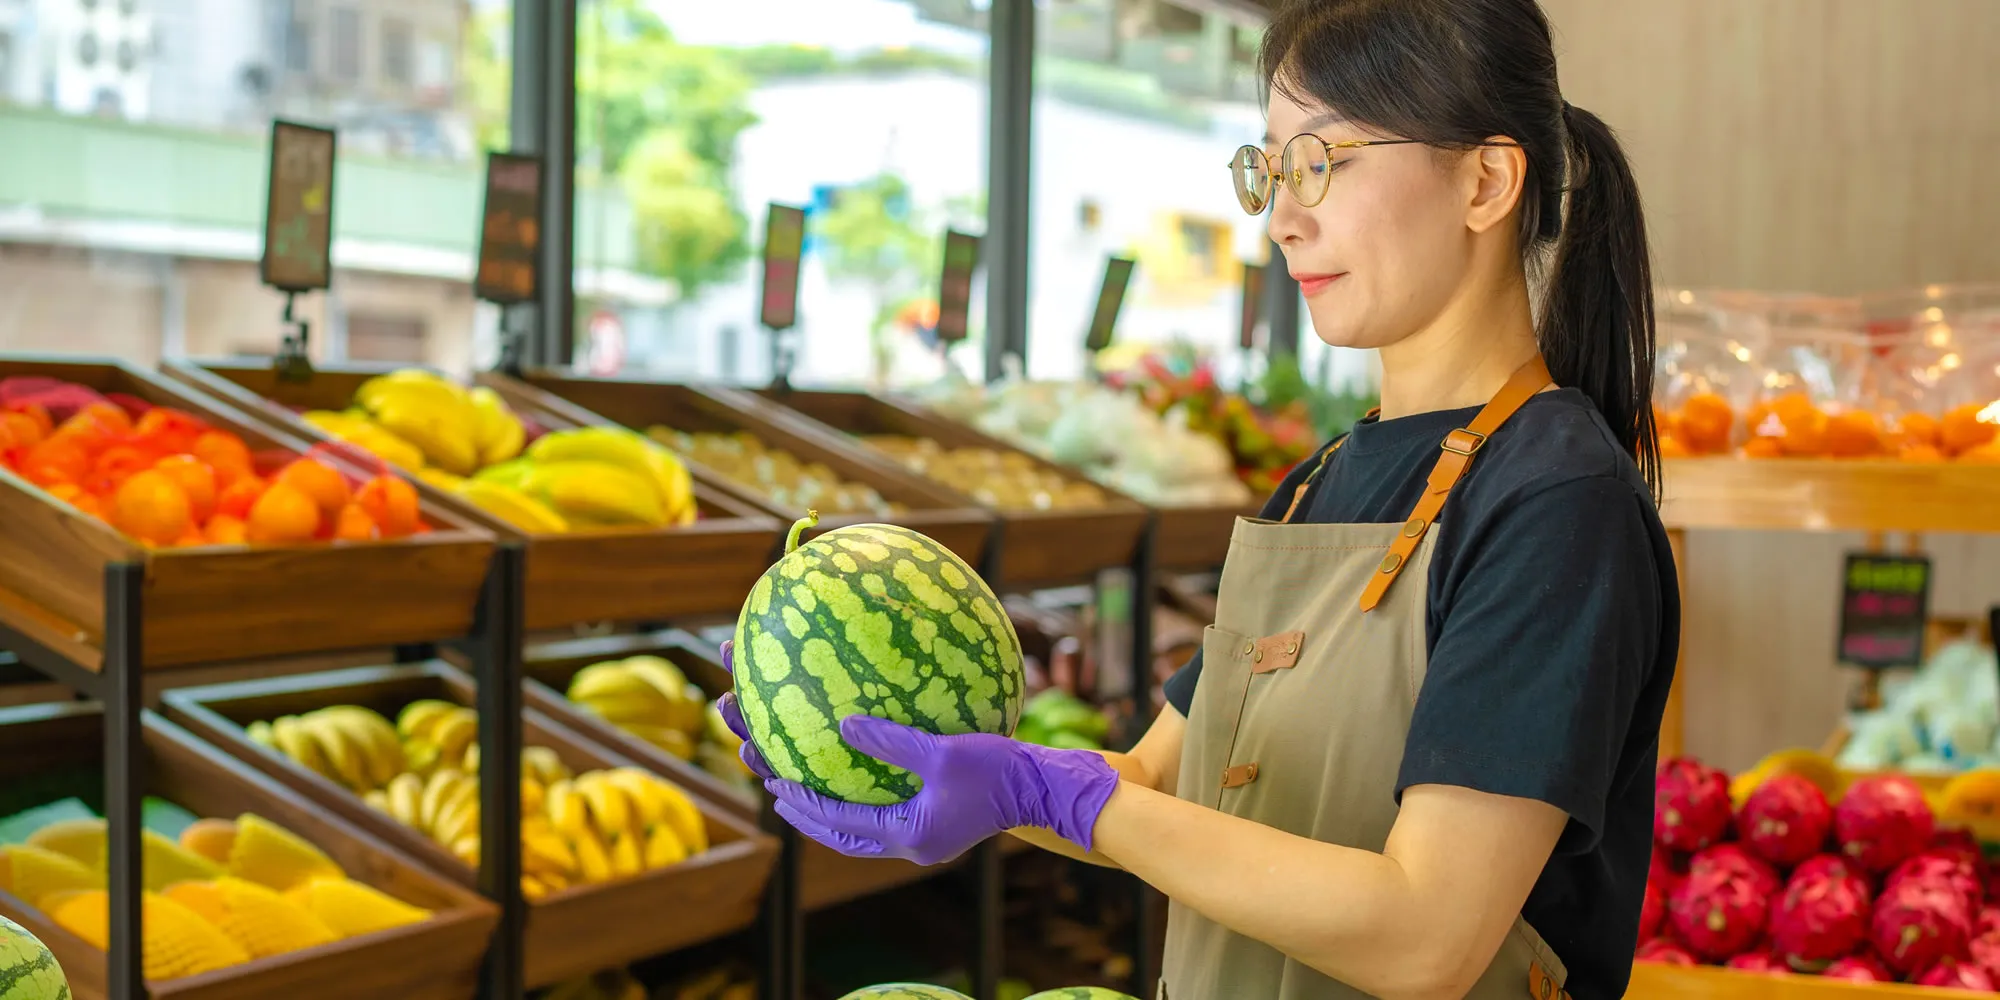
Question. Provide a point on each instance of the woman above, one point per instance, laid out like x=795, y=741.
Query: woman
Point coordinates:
x=1415, y=757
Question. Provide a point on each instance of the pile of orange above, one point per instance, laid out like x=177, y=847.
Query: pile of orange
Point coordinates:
x=1792, y=426
x=167, y=479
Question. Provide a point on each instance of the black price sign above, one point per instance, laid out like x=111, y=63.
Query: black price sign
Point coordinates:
x=961, y=258
x=1253, y=305
x=1110, y=297
x=510, y=231
x=298, y=210
x=1884, y=610
x=784, y=245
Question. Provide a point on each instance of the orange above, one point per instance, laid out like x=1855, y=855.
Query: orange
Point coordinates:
x=390, y=503
x=26, y=433
x=193, y=538
x=169, y=429
x=1985, y=454
x=152, y=508
x=1961, y=429
x=1920, y=453
x=55, y=460
x=37, y=413
x=225, y=530
x=1763, y=447
x=1917, y=428
x=195, y=478
x=1854, y=434
x=1706, y=421
x=109, y=415
x=1671, y=447
x=283, y=514
x=224, y=452
x=322, y=482
x=238, y=497
x=1666, y=421
x=354, y=525
x=118, y=462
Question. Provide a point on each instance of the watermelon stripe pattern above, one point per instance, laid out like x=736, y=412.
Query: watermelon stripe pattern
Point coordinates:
x=1082, y=993
x=879, y=620
x=28, y=970
x=905, y=991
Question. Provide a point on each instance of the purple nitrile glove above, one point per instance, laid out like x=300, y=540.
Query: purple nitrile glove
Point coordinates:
x=732, y=716
x=975, y=786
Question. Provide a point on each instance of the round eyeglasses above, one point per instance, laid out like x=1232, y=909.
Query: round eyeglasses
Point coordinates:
x=1303, y=164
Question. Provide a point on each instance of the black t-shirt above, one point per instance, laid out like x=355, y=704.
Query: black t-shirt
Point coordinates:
x=1553, y=624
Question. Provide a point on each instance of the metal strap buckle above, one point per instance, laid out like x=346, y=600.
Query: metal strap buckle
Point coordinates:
x=1478, y=442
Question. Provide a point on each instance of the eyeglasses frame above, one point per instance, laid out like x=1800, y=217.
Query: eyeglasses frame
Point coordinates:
x=1273, y=168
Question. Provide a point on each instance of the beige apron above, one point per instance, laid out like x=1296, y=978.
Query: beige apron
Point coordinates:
x=1309, y=678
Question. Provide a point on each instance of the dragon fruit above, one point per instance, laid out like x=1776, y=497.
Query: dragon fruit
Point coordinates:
x=1720, y=910
x=1958, y=975
x=1652, y=913
x=1758, y=961
x=1985, y=948
x=1919, y=923
x=1736, y=857
x=1691, y=807
x=1664, y=950
x=1786, y=820
x=1821, y=915
x=1834, y=866
x=1862, y=968
x=1988, y=920
x=1959, y=842
x=1882, y=821
x=1667, y=870
x=1940, y=866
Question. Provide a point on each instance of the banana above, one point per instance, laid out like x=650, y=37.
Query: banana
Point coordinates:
x=567, y=811
x=660, y=468
x=418, y=718
x=292, y=738
x=410, y=384
x=683, y=817
x=500, y=432
x=687, y=701
x=377, y=737
x=610, y=679
x=610, y=809
x=557, y=881
x=454, y=734
x=598, y=493
x=260, y=734
x=438, y=477
x=638, y=786
x=531, y=796
x=591, y=861
x=406, y=795
x=625, y=854
x=546, y=853
x=377, y=800
x=545, y=764
x=456, y=819
x=512, y=506
x=347, y=759
x=441, y=785
x=443, y=431
x=420, y=757
x=466, y=849
x=663, y=848
x=667, y=738
x=362, y=432
x=532, y=887
x=512, y=472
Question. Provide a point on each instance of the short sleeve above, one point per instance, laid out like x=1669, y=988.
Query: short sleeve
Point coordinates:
x=1550, y=627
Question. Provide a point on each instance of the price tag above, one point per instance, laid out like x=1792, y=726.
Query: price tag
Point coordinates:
x=1884, y=610
x=298, y=210
x=1110, y=298
x=510, y=231
x=1253, y=304
x=961, y=258
x=784, y=243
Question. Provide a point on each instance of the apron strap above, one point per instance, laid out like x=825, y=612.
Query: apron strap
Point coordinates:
x=1459, y=446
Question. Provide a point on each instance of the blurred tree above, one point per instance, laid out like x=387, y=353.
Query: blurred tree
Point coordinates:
x=875, y=237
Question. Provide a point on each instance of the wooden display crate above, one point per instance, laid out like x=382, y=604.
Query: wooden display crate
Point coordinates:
x=826, y=877
x=438, y=958
x=932, y=509
x=215, y=603
x=1037, y=548
x=1195, y=539
x=572, y=577
x=578, y=930
x=1804, y=494
x=1654, y=981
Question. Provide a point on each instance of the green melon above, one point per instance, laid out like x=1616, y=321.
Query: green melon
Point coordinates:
x=878, y=620
x=1082, y=993
x=27, y=970
x=905, y=991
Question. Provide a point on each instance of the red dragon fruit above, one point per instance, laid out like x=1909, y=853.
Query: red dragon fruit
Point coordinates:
x=1919, y=923
x=1691, y=805
x=1959, y=842
x=1940, y=866
x=1652, y=913
x=1862, y=968
x=1738, y=858
x=1720, y=910
x=1664, y=950
x=1988, y=920
x=1985, y=949
x=1785, y=820
x=1883, y=820
x=1821, y=915
x=1958, y=975
x=1758, y=961
x=1667, y=871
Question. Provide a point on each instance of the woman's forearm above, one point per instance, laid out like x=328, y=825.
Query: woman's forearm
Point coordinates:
x=1131, y=770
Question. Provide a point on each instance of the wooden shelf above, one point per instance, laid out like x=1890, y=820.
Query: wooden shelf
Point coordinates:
x=1830, y=495
x=1653, y=981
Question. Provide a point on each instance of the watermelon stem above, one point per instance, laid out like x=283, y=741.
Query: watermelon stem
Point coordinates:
x=798, y=528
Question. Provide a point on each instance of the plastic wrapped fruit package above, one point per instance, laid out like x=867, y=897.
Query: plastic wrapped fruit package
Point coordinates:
x=1813, y=399
x=1704, y=376
x=1936, y=353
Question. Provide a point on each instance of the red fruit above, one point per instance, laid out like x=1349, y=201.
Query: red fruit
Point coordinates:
x=1652, y=912
x=1757, y=961
x=1862, y=968
x=1941, y=867
x=1737, y=858
x=1664, y=950
x=1958, y=975
x=1691, y=805
x=1960, y=843
x=1882, y=821
x=1785, y=820
x=1985, y=949
x=1667, y=871
x=1720, y=910
x=1821, y=915
x=1919, y=923
x=1988, y=920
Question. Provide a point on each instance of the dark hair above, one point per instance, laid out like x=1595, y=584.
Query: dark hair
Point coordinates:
x=1454, y=74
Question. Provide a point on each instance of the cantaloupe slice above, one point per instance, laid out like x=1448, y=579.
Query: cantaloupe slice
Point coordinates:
x=351, y=908
x=33, y=873
x=178, y=942
x=210, y=838
x=260, y=920
x=162, y=862
x=276, y=858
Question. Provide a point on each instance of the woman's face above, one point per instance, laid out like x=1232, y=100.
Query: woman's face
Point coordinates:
x=1381, y=255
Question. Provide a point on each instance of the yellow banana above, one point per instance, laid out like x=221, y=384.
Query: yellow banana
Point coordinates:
x=260, y=733
x=410, y=383
x=376, y=799
x=441, y=786
x=567, y=812
x=610, y=810
x=596, y=493
x=420, y=757
x=546, y=853
x=545, y=764
x=466, y=849
x=625, y=854
x=532, y=887
x=454, y=734
x=426, y=415
x=663, y=848
x=591, y=861
x=406, y=795
x=683, y=817
x=457, y=818
x=375, y=737
x=512, y=506
x=667, y=738
x=418, y=718
x=557, y=881
x=500, y=432
x=638, y=786
x=660, y=673
x=292, y=738
x=347, y=758
x=612, y=679
x=531, y=796
x=438, y=477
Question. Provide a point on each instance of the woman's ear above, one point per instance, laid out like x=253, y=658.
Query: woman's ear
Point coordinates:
x=1495, y=175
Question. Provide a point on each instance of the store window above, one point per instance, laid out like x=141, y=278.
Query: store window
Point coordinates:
x=153, y=251
x=692, y=117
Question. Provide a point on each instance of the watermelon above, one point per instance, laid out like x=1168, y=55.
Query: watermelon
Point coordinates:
x=28, y=971
x=905, y=991
x=1082, y=993
x=878, y=620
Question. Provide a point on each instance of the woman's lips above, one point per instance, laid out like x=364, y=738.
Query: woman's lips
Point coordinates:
x=1313, y=284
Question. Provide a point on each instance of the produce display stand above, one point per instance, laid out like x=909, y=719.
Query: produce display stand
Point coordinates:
x=577, y=930
x=605, y=575
x=437, y=959
x=1196, y=539
x=937, y=512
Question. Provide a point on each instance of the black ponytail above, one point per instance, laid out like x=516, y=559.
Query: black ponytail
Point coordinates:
x=1457, y=73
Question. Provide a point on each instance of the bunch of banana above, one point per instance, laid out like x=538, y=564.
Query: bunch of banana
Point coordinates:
x=646, y=696
x=347, y=744
x=436, y=734
x=458, y=430
x=602, y=477
x=356, y=429
x=616, y=823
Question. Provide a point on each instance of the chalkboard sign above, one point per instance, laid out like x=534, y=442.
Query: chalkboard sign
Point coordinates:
x=961, y=258
x=1884, y=610
x=1110, y=297
x=510, y=231
x=298, y=210
x=784, y=244
x=1253, y=305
